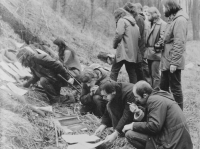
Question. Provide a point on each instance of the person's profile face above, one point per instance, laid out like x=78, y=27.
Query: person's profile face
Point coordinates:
x=150, y=17
x=107, y=97
x=140, y=100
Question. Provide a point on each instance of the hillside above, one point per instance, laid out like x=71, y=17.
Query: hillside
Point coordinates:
x=33, y=21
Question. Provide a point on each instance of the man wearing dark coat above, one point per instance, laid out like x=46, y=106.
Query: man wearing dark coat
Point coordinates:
x=117, y=113
x=154, y=45
x=91, y=99
x=165, y=126
x=45, y=69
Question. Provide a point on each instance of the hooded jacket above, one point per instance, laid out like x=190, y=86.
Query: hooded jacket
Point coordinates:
x=126, y=40
x=175, y=38
x=166, y=125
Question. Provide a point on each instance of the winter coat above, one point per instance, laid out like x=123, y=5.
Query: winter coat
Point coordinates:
x=126, y=40
x=166, y=125
x=117, y=113
x=85, y=97
x=71, y=61
x=155, y=36
x=175, y=38
x=42, y=65
x=140, y=21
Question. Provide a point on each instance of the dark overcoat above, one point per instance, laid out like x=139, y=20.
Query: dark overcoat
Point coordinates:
x=166, y=125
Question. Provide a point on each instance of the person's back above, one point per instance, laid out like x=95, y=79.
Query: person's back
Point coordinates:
x=171, y=122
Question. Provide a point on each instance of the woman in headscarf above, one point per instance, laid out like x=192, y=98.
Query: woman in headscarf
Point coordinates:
x=68, y=57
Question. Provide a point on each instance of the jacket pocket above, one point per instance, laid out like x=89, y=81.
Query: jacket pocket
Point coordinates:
x=167, y=51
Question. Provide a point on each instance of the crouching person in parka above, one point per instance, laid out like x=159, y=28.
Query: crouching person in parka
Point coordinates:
x=91, y=98
x=165, y=126
x=46, y=70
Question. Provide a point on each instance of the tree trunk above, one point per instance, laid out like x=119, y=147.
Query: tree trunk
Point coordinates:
x=195, y=20
x=54, y=6
x=92, y=9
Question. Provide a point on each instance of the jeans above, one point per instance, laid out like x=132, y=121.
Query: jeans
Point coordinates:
x=138, y=140
x=97, y=106
x=172, y=81
x=134, y=71
x=154, y=73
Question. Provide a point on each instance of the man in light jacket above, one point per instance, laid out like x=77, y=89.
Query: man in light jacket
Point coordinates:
x=173, y=55
x=126, y=45
x=165, y=127
x=154, y=45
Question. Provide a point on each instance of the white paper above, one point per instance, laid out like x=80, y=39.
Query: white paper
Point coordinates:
x=5, y=88
x=80, y=138
x=82, y=145
x=8, y=69
x=16, y=89
x=5, y=77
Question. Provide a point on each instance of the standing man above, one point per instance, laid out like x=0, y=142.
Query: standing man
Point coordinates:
x=142, y=67
x=173, y=55
x=165, y=127
x=46, y=70
x=126, y=44
x=154, y=45
x=117, y=113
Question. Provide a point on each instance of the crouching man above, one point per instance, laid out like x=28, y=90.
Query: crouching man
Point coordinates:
x=117, y=113
x=45, y=69
x=165, y=127
x=91, y=98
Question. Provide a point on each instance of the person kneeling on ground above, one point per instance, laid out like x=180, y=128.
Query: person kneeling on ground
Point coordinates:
x=165, y=126
x=91, y=98
x=117, y=113
x=45, y=69
x=68, y=57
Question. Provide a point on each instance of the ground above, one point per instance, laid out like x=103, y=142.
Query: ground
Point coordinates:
x=23, y=128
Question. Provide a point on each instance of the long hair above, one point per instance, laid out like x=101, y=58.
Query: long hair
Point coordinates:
x=62, y=47
x=25, y=56
x=87, y=75
x=120, y=13
x=171, y=6
x=131, y=8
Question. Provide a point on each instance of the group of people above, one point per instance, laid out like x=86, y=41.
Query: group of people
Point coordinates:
x=148, y=110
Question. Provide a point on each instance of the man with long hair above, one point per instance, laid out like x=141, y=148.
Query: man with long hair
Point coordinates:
x=154, y=45
x=173, y=55
x=126, y=44
x=91, y=99
x=45, y=69
x=68, y=57
x=165, y=126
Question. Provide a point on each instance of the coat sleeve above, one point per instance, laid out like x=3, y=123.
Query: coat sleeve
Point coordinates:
x=127, y=115
x=49, y=63
x=106, y=120
x=120, y=30
x=157, y=110
x=180, y=32
x=85, y=95
x=162, y=32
